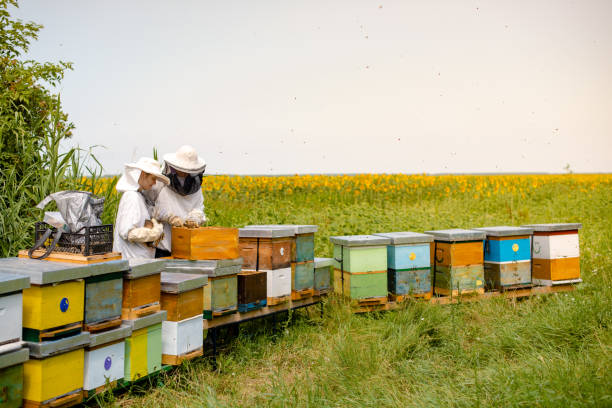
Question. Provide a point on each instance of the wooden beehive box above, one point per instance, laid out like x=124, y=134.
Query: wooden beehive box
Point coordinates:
x=323, y=271
x=143, y=348
x=252, y=290
x=11, y=377
x=266, y=248
x=142, y=288
x=205, y=243
x=11, y=306
x=507, y=257
x=360, y=268
x=555, y=254
x=221, y=292
x=458, y=261
x=54, y=374
x=183, y=299
x=54, y=304
x=105, y=359
x=303, y=245
x=104, y=295
x=409, y=268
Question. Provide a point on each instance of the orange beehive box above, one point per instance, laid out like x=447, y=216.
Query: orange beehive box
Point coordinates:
x=205, y=243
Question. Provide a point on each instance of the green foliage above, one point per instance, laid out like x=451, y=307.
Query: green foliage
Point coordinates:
x=33, y=128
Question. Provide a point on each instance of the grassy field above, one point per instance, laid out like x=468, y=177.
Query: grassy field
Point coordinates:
x=546, y=351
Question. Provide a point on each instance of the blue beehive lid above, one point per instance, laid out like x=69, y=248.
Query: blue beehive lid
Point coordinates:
x=505, y=231
x=457, y=235
x=406, y=237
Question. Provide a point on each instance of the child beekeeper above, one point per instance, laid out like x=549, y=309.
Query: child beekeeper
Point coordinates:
x=181, y=202
x=135, y=230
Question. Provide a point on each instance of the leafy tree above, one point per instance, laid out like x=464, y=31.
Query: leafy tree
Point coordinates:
x=32, y=126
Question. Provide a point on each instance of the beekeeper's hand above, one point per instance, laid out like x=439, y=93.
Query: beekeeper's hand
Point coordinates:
x=175, y=221
x=195, y=218
x=144, y=234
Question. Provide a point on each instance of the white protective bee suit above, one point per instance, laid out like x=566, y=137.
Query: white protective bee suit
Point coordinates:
x=130, y=234
x=181, y=201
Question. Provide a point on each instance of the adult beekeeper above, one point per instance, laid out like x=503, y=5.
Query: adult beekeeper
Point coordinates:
x=180, y=202
x=135, y=231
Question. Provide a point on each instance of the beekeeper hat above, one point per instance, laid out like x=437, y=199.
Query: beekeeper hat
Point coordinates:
x=186, y=159
x=129, y=179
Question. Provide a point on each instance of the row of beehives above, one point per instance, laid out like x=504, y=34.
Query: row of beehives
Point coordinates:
x=89, y=325
x=373, y=268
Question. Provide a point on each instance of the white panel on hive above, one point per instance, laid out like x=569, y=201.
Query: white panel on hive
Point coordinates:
x=102, y=364
x=182, y=337
x=11, y=309
x=279, y=282
x=556, y=246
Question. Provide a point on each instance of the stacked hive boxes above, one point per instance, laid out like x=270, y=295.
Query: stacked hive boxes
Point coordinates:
x=409, y=267
x=12, y=353
x=53, y=313
x=221, y=292
x=183, y=299
x=141, y=312
x=555, y=254
x=507, y=257
x=323, y=271
x=302, y=258
x=360, y=268
x=268, y=249
x=458, y=257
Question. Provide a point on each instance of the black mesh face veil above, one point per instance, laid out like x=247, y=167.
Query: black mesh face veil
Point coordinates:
x=191, y=185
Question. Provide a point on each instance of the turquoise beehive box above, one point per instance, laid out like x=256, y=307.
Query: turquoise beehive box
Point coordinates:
x=409, y=265
x=507, y=257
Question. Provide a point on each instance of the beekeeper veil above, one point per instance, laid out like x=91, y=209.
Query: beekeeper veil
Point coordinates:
x=131, y=174
x=185, y=160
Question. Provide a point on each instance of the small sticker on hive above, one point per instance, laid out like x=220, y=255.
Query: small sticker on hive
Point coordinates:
x=64, y=305
x=478, y=282
x=412, y=256
x=107, y=363
x=282, y=251
x=515, y=247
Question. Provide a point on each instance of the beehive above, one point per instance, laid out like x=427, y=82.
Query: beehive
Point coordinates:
x=278, y=286
x=555, y=253
x=104, y=297
x=360, y=267
x=303, y=246
x=54, y=374
x=221, y=292
x=11, y=308
x=204, y=243
x=54, y=304
x=266, y=248
x=143, y=348
x=409, y=267
x=507, y=257
x=11, y=377
x=323, y=271
x=458, y=261
x=252, y=290
x=141, y=288
x=183, y=300
x=105, y=359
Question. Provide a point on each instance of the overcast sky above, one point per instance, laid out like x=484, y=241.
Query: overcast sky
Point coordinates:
x=278, y=87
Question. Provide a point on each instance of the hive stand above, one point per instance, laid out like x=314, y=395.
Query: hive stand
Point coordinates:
x=507, y=257
x=221, y=292
x=141, y=288
x=360, y=269
x=183, y=299
x=555, y=254
x=458, y=261
x=409, y=265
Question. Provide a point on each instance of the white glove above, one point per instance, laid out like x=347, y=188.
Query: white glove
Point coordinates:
x=195, y=218
x=175, y=221
x=144, y=234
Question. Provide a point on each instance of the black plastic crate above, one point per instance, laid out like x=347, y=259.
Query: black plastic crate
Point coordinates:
x=87, y=241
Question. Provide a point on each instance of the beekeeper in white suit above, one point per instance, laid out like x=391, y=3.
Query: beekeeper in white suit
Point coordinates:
x=135, y=230
x=181, y=202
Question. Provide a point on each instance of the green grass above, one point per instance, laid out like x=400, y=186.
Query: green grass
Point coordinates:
x=553, y=350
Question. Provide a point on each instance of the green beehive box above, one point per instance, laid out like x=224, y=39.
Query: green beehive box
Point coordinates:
x=360, y=267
